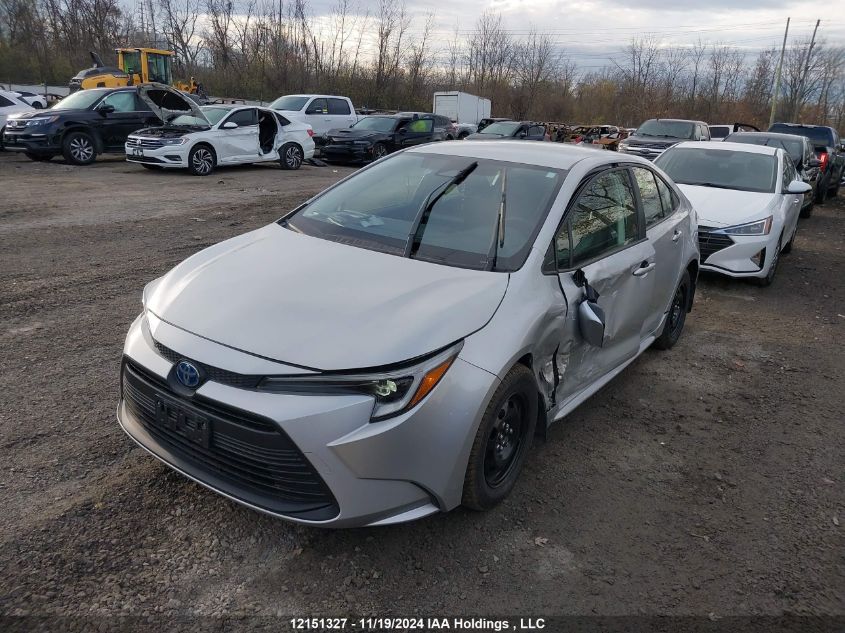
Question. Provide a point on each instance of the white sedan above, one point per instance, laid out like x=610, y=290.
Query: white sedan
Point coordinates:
x=201, y=138
x=748, y=198
x=39, y=102
x=11, y=104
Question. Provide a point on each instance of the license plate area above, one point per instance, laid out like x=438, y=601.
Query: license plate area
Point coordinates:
x=194, y=428
x=137, y=151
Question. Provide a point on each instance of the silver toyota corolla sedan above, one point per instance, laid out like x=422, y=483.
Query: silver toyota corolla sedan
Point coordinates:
x=389, y=349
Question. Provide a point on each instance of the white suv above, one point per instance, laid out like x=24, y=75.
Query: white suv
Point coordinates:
x=321, y=112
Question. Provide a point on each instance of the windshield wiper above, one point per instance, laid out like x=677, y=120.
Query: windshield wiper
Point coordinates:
x=414, y=239
x=708, y=184
x=499, y=237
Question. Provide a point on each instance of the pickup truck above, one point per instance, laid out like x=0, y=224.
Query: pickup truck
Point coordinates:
x=321, y=112
x=829, y=150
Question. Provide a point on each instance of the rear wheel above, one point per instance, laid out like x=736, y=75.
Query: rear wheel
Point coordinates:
x=821, y=192
x=502, y=441
x=78, y=148
x=834, y=191
x=201, y=160
x=291, y=156
x=807, y=211
x=677, y=316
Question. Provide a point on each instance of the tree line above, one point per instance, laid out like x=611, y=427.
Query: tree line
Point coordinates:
x=386, y=58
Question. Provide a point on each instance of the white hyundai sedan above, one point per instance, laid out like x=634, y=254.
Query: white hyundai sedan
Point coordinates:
x=748, y=198
x=201, y=138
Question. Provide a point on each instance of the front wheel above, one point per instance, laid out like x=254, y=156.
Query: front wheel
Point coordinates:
x=290, y=156
x=677, y=316
x=766, y=281
x=379, y=151
x=502, y=441
x=201, y=160
x=78, y=148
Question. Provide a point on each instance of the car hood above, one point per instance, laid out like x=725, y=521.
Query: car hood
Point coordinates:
x=347, y=134
x=728, y=207
x=652, y=141
x=323, y=305
x=168, y=103
x=169, y=131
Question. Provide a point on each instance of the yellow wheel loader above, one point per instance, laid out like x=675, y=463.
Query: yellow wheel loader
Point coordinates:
x=134, y=66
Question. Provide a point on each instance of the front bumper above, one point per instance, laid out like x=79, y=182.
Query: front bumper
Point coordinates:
x=368, y=473
x=36, y=143
x=346, y=152
x=731, y=255
x=175, y=156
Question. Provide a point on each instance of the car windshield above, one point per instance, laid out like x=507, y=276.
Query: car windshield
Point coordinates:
x=795, y=148
x=214, y=115
x=381, y=208
x=670, y=129
x=376, y=123
x=189, y=120
x=289, y=103
x=817, y=135
x=505, y=128
x=720, y=168
x=81, y=100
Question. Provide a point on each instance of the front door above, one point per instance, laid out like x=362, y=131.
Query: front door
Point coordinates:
x=602, y=236
x=415, y=132
x=317, y=116
x=240, y=144
x=115, y=126
x=665, y=221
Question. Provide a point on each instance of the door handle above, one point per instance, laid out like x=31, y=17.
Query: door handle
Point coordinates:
x=644, y=269
x=677, y=235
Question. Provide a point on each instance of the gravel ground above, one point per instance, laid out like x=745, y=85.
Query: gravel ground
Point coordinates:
x=707, y=481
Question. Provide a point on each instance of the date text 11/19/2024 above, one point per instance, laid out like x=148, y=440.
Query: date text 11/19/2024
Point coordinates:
x=422, y=624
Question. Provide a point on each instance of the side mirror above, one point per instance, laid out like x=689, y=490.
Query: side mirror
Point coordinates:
x=404, y=130
x=105, y=109
x=522, y=135
x=229, y=125
x=798, y=186
x=591, y=322
x=814, y=162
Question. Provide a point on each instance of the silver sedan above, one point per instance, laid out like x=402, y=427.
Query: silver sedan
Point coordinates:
x=390, y=348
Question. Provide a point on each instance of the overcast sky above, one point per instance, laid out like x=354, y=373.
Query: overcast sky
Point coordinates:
x=594, y=31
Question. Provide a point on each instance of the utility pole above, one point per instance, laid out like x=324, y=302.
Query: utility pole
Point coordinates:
x=776, y=91
x=799, y=96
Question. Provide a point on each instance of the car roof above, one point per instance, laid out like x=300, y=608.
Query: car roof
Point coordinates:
x=727, y=145
x=551, y=155
x=780, y=136
x=827, y=127
x=677, y=120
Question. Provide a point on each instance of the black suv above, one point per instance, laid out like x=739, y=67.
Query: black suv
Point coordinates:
x=525, y=130
x=375, y=136
x=800, y=150
x=829, y=151
x=79, y=127
x=655, y=136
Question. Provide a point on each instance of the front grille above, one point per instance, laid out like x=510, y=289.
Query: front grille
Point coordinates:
x=709, y=242
x=240, y=454
x=242, y=381
x=146, y=143
x=143, y=159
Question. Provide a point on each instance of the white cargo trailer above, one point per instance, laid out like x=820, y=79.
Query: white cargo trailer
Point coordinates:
x=461, y=107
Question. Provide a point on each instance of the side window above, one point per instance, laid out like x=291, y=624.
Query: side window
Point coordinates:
x=668, y=199
x=338, y=106
x=789, y=173
x=603, y=218
x=536, y=131
x=121, y=101
x=650, y=196
x=318, y=106
x=244, y=118
x=421, y=126
x=141, y=105
x=282, y=120
x=5, y=102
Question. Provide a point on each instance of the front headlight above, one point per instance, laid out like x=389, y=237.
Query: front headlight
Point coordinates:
x=624, y=146
x=41, y=121
x=174, y=141
x=758, y=227
x=393, y=391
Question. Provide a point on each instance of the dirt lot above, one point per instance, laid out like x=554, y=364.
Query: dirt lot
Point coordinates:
x=704, y=481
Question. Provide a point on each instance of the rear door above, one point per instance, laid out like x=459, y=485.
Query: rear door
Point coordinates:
x=602, y=234
x=241, y=143
x=416, y=132
x=665, y=220
x=340, y=113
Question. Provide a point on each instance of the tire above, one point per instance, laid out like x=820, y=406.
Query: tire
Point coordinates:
x=291, y=156
x=38, y=158
x=834, y=191
x=787, y=249
x=78, y=148
x=677, y=317
x=379, y=151
x=201, y=160
x=462, y=135
x=502, y=441
x=821, y=192
x=766, y=281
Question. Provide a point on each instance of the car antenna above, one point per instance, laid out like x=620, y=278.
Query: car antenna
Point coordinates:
x=415, y=235
x=499, y=237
